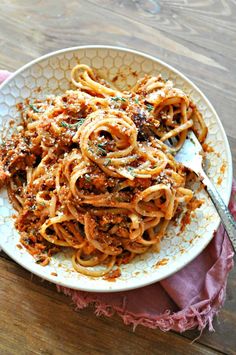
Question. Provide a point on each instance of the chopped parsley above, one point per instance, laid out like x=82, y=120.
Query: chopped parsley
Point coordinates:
x=64, y=124
x=72, y=125
x=87, y=177
x=34, y=108
x=101, y=145
x=131, y=170
x=136, y=100
x=102, y=151
x=80, y=122
x=117, y=98
x=149, y=107
x=107, y=162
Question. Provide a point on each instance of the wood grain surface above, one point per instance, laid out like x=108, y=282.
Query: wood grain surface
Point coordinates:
x=197, y=37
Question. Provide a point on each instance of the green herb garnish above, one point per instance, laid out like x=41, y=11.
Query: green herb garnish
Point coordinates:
x=101, y=145
x=131, y=170
x=102, y=151
x=64, y=124
x=34, y=108
x=107, y=162
x=72, y=125
x=117, y=98
x=136, y=100
x=80, y=122
x=149, y=107
x=87, y=177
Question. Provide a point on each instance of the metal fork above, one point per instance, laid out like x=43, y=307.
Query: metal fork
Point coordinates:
x=190, y=155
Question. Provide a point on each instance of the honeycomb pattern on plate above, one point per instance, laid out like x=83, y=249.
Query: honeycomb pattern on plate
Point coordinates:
x=52, y=75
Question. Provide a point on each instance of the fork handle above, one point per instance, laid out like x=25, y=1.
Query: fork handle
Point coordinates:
x=224, y=213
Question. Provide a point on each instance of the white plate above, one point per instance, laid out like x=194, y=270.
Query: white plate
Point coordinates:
x=52, y=74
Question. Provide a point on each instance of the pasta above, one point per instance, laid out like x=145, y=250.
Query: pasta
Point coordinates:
x=93, y=169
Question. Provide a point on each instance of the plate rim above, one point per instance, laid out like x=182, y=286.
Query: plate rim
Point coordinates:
x=188, y=257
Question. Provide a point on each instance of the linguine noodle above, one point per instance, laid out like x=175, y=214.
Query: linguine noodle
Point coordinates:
x=93, y=169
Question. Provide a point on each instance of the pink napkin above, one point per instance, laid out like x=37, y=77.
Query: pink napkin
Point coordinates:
x=186, y=300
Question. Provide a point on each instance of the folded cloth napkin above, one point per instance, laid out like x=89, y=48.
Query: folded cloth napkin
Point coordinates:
x=188, y=299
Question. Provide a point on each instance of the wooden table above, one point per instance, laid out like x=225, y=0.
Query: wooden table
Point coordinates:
x=197, y=37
